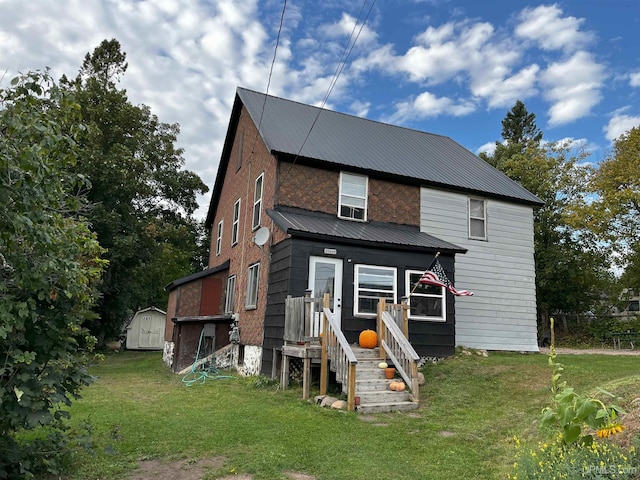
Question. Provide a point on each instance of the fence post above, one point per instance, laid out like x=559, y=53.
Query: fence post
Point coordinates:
x=405, y=316
x=324, y=358
x=382, y=306
x=307, y=313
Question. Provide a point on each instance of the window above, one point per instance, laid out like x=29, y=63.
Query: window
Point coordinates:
x=219, y=237
x=427, y=302
x=235, y=228
x=231, y=294
x=252, y=286
x=353, y=196
x=240, y=146
x=477, y=219
x=257, y=202
x=372, y=283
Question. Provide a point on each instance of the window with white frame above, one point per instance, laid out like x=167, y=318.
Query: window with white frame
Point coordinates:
x=219, y=237
x=426, y=302
x=353, y=196
x=477, y=219
x=231, y=294
x=257, y=202
x=252, y=286
x=372, y=283
x=235, y=227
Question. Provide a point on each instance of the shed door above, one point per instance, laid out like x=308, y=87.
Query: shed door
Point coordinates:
x=151, y=330
x=325, y=276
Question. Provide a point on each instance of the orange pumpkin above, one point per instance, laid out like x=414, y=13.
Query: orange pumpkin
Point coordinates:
x=397, y=386
x=368, y=339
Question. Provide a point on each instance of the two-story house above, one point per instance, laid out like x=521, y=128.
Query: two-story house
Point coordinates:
x=306, y=198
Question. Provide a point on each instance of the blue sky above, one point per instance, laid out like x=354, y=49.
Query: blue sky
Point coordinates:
x=450, y=67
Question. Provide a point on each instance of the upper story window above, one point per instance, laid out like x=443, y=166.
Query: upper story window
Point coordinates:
x=257, y=202
x=371, y=283
x=219, y=237
x=477, y=219
x=427, y=302
x=235, y=227
x=253, y=278
x=353, y=196
x=231, y=294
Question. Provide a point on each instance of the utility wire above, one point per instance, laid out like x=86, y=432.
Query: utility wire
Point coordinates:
x=343, y=61
x=273, y=61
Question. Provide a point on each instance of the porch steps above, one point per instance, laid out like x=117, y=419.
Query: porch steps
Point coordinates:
x=373, y=388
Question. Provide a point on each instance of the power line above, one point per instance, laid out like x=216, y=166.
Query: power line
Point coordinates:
x=343, y=61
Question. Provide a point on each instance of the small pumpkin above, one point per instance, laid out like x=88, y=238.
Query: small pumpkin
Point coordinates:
x=397, y=386
x=383, y=365
x=368, y=339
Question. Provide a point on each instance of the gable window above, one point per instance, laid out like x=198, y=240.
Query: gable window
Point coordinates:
x=477, y=219
x=235, y=228
x=252, y=286
x=353, y=196
x=219, y=237
x=372, y=283
x=257, y=202
x=231, y=294
x=427, y=302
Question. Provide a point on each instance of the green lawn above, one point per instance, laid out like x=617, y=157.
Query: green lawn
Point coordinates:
x=471, y=408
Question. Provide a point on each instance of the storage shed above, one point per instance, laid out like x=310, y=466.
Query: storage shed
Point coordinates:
x=146, y=330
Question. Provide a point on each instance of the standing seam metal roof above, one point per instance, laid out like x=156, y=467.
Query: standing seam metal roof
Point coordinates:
x=346, y=140
x=296, y=221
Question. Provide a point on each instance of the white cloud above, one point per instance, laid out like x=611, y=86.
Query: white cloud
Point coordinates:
x=347, y=26
x=427, y=105
x=634, y=79
x=573, y=87
x=546, y=26
x=620, y=124
x=488, y=148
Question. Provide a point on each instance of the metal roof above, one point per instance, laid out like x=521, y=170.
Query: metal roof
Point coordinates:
x=375, y=147
x=195, y=276
x=302, y=223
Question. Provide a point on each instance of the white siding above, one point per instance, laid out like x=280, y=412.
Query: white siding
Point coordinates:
x=500, y=271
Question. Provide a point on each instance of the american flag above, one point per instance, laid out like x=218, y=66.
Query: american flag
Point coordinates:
x=435, y=275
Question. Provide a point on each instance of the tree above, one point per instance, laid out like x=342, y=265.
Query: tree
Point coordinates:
x=570, y=268
x=615, y=212
x=49, y=268
x=142, y=200
x=519, y=132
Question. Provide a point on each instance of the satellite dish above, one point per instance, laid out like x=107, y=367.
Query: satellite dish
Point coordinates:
x=261, y=237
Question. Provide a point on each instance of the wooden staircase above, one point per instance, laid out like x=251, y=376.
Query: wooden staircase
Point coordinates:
x=372, y=388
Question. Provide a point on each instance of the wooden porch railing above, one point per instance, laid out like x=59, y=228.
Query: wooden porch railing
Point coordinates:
x=395, y=345
x=303, y=318
x=337, y=354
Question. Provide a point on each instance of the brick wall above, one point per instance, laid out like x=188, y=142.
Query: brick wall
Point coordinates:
x=315, y=189
x=240, y=183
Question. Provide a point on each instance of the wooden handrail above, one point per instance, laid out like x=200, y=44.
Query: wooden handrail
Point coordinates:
x=337, y=354
x=396, y=346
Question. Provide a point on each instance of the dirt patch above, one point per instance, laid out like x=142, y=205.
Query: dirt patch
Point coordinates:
x=194, y=470
x=179, y=470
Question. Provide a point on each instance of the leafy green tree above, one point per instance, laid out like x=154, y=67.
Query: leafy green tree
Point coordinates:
x=614, y=214
x=142, y=200
x=49, y=267
x=570, y=270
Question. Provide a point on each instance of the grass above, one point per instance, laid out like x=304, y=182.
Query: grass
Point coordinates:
x=471, y=408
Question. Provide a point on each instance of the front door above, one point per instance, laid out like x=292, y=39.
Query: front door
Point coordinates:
x=325, y=276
